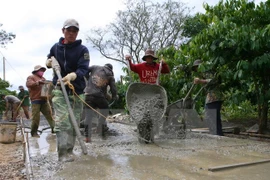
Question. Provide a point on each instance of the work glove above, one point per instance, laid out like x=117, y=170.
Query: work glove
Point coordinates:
x=69, y=77
x=49, y=63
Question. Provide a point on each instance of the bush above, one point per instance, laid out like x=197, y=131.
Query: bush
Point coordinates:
x=245, y=110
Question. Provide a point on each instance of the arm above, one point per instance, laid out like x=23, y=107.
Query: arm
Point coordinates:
x=132, y=66
x=113, y=88
x=30, y=82
x=20, y=95
x=201, y=81
x=26, y=94
x=83, y=64
x=165, y=68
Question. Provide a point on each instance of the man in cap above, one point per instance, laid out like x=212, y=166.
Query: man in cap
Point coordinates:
x=213, y=101
x=148, y=71
x=99, y=78
x=24, y=97
x=73, y=59
x=13, y=104
x=34, y=84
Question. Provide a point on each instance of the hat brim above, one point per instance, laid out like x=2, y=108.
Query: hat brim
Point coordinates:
x=154, y=57
x=72, y=26
x=42, y=68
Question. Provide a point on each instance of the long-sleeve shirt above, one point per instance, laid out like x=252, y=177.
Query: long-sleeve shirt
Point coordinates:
x=34, y=87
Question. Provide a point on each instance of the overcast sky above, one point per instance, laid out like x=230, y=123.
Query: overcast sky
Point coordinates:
x=38, y=24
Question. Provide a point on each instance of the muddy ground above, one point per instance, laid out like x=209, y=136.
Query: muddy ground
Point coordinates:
x=12, y=161
x=120, y=157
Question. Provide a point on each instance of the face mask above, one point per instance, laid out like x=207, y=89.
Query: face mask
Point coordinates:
x=40, y=73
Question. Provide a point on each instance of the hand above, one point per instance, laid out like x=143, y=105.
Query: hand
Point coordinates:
x=128, y=57
x=69, y=77
x=41, y=82
x=196, y=80
x=108, y=96
x=49, y=63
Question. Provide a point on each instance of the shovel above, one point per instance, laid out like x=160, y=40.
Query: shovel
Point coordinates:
x=56, y=68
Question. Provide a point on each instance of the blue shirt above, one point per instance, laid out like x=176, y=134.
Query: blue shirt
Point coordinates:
x=72, y=57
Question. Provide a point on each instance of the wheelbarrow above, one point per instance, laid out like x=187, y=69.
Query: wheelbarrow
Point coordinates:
x=176, y=115
x=147, y=104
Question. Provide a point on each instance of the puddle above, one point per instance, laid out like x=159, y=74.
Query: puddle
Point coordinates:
x=43, y=145
x=122, y=157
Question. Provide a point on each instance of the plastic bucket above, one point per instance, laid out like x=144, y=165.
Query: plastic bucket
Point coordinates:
x=46, y=91
x=8, y=132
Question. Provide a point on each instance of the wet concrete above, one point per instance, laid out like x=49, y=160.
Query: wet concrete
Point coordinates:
x=122, y=157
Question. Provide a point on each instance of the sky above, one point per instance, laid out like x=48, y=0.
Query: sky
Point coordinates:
x=38, y=24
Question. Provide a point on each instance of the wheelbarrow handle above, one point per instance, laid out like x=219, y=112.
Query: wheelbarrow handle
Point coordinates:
x=159, y=72
x=189, y=92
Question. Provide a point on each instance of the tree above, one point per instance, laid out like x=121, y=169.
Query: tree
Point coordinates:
x=193, y=25
x=5, y=37
x=142, y=25
x=236, y=43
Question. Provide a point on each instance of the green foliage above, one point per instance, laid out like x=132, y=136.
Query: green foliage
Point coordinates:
x=243, y=110
x=193, y=26
x=236, y=43
x=120, y=104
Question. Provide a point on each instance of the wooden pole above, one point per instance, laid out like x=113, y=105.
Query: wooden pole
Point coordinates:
x=218, y=168
x=4, y=68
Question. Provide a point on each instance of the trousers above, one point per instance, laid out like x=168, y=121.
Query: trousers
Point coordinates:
x=213, y=117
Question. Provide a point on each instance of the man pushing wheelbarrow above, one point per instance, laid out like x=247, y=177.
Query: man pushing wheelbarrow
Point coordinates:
x=147, y=100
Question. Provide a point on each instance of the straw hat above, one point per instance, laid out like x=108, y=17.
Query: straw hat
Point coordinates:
x=149, y=52
x=38, y=67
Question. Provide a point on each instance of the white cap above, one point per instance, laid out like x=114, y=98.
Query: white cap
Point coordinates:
x=71, y=22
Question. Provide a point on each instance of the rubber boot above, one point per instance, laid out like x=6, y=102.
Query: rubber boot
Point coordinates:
x=71, y=138
x=63, y=155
